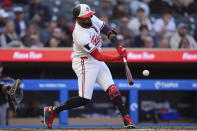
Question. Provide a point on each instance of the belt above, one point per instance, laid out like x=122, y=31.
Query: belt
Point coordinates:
x=85, y=57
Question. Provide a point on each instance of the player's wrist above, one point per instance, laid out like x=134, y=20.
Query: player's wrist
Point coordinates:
x=115, y=42
x=122, y=51
x=119, y=48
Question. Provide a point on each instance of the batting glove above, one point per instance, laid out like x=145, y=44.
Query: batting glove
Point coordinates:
x=122, y=51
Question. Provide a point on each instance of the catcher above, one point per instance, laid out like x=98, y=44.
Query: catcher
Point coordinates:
x=14, y=92
x=9, y=95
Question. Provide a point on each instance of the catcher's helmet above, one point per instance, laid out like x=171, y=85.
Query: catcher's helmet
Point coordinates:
x=82, y=11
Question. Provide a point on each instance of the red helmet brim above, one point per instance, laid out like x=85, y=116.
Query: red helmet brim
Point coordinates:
x=87, y=15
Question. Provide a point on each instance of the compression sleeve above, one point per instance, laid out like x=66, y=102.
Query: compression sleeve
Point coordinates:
x=106, y=58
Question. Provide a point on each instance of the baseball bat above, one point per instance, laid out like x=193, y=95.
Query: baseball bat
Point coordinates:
x=128, y=72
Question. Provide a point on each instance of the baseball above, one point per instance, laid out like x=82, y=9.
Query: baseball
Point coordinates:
x=146, y=72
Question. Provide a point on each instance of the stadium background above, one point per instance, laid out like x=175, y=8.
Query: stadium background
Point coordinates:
x=30, y=111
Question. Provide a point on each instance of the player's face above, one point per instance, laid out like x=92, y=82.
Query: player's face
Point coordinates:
x=85, y=22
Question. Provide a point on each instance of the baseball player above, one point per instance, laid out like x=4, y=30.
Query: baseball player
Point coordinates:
x=10, y=95
x=14, y=92
x=88, y=64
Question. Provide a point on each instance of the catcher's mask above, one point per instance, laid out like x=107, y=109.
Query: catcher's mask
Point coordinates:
x=83, y=14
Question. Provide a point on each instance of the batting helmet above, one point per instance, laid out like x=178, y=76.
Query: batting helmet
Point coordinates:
x=82, y=11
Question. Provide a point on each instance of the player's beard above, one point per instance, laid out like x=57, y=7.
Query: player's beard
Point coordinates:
x=85, y=22
x=87, y=25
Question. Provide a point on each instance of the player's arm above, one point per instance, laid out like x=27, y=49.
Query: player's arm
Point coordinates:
x=106, y=58
x=85, y=43
x=112, y=35
x=93, y=51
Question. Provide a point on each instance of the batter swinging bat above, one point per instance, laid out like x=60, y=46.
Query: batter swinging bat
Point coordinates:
x=128, y=72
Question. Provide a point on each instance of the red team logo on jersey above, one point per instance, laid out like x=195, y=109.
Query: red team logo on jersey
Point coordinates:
x=95, y=39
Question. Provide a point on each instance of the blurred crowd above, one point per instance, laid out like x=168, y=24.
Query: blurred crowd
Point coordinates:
x=140, y=24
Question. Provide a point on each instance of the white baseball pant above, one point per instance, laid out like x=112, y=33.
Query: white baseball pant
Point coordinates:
x=90, y=71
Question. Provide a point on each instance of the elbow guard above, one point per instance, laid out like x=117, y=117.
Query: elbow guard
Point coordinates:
x=108, y=31
x=112, y=31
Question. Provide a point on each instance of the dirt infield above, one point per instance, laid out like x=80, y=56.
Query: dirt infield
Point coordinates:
x=102, y=129
x=81, y=121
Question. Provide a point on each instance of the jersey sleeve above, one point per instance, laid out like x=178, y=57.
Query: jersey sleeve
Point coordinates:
x=84, y=42
x=98, y=22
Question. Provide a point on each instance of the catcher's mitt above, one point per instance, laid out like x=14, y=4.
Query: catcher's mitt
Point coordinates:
x=15, y=93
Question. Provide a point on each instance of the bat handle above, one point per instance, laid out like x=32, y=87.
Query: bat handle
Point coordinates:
x=124, y=60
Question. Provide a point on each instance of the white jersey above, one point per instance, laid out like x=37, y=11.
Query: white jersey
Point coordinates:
x=89, y=70
x=85, y=40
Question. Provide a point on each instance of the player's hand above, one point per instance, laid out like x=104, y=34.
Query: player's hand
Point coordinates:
x=122, y=51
